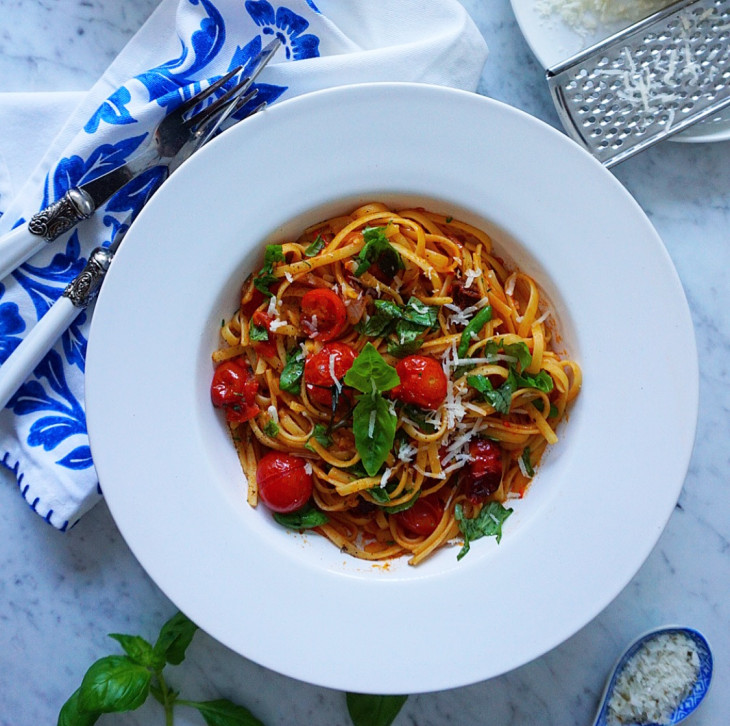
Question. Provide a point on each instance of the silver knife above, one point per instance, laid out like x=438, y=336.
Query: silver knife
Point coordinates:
x=81, y=202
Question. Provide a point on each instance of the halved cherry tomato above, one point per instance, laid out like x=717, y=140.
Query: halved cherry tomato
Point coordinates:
x=423, y=517
x=265, y=348
x=234, y=390
x=284, y=483
x=318, y=369
x=324, y=314
x=484, y=474
x=422, y=381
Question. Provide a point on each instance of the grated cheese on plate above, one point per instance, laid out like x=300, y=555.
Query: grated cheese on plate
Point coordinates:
x=654, y=681
x=584, y=16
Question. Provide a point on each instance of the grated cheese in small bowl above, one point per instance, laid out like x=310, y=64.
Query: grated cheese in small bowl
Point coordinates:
x=655, y=676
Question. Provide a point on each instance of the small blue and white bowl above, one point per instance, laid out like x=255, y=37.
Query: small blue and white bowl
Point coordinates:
x=692, y=700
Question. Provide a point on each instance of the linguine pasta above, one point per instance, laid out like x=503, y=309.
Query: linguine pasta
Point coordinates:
x=391, y=477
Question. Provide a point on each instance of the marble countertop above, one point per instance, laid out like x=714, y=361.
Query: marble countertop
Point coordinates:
x=61, y=594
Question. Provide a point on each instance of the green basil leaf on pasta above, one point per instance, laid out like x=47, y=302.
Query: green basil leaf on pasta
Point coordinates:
x=378, y=249
x=373, y=424
x=271, y=429
x=488, y=523
x=291, y=377
x=315, y=248
x=265, y=277
x=472, y=330
x=257, y=333
x=371, y=373
x=306, y=518
x=421, y=314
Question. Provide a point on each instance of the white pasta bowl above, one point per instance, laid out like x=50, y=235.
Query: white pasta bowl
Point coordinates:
x=602, y=495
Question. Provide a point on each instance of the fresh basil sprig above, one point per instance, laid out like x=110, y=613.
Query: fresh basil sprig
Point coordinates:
x=473, y=329
x=367, y=710
x=373, y=420
x=378, y=249
x=488, y=523
x=257, y=333
x=118, y=683
x=405, y=324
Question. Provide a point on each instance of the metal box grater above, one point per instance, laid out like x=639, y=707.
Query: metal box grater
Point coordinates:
x=647, y=82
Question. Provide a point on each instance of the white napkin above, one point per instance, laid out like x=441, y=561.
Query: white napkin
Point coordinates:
x=43, y=436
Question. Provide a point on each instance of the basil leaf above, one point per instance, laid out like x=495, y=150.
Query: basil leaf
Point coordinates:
x=113, y=684
x=499, y=398
x=320, y=435
x=138, y=649
x=305, y=518
x=257, y=333
x=223, y=712
x=378, y=249
x=357, y=470
x=539, y=406
x=542, y=381
x=368, y=710
x=264, y=279
x=370, y=372
x=521, y=352
x=72, y=715
x=175, y=637
x=488, y=523
x=404, y=505
x=418, y=312
x=399, y=350
x=315, y=248
x=373, y=448
x=271, y=429
x=379, y=494
x=291, y=376
x=472, y=329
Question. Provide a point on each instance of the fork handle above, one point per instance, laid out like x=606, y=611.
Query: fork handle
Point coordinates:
x=45, y=226
x=34, y=346
x=77, y=295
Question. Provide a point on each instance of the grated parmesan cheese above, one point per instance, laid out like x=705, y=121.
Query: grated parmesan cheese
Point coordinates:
x=385, y=477
x=273, y=303
x=276, y=324
x=273, y=413
x=584, y=16
x=307, y=468
x=654, y=681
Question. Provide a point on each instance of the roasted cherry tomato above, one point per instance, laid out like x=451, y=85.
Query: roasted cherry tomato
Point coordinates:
x=265, y=348
x=484, y=474
x=422, y=381
x=284, y=481
x=324, y=314
x=318, y=369
x=234, y=390
x=423, y=517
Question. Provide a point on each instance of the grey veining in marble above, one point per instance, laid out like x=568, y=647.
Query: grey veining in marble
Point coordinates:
x=61, y=594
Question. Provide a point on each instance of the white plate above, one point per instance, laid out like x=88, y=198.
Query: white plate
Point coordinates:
x=553, y=41
x=295, y=603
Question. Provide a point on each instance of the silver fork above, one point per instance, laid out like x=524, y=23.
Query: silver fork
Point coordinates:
x=185, y=135
x=178, y=135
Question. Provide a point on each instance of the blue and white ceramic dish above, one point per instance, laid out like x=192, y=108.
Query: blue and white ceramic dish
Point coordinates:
x=699, y=689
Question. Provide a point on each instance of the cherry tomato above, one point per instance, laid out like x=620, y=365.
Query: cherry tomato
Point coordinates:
x=265, y=348
x=422, y=381
x=318, y=369
x=323, y=313
x=234, y=390
x=283, y=481
x=485, y=470
x=423, y=517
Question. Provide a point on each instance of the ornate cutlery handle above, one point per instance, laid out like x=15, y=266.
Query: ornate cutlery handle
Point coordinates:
x=73, y=207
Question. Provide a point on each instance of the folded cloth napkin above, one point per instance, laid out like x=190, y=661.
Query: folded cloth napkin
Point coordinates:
x=185, y=43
